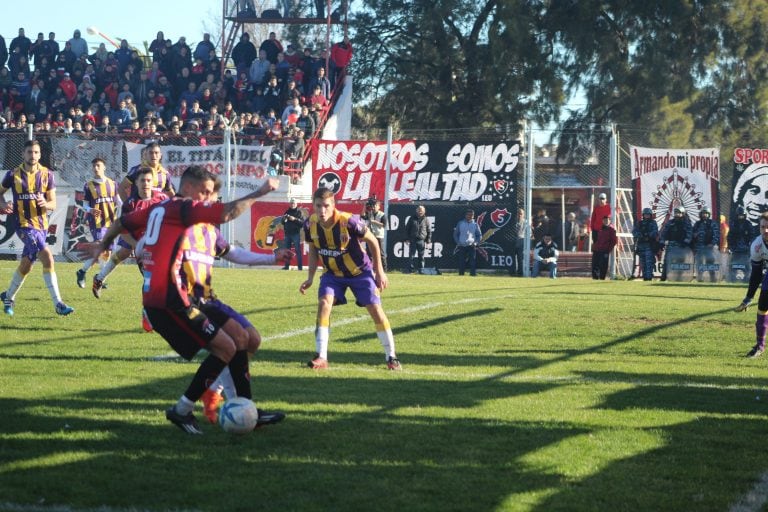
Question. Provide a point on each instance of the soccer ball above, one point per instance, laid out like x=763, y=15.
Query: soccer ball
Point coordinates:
x=238, y=416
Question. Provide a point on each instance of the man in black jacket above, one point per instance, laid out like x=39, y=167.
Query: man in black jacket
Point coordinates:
x=419, y=234
x=293, y=220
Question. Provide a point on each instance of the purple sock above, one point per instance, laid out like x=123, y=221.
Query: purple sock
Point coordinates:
x=761, y=325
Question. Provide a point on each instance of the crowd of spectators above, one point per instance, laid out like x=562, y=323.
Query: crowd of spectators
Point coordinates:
x=175, y=95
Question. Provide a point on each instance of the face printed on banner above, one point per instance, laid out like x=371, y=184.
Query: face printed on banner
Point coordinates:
x=751, y=192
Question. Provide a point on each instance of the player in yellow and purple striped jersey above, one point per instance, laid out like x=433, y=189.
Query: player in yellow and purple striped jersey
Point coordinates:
x=34, y=194
x=334, y=237
x=99, y=202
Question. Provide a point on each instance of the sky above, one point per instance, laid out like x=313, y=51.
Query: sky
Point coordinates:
x=136, y=20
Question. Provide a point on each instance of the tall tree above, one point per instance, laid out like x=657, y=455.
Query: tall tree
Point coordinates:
x=455, y=63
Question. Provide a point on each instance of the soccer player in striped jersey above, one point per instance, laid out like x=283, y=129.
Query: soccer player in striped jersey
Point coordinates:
x=334, y=237
x=100, y=202
x=165, y=297
x=758, y=256
x=201, y=244
x=151, y=156
x=34, y=194
x=146, y=197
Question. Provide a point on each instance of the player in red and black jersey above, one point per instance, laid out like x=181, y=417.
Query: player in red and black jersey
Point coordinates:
x=173, y=313
x=146, y=197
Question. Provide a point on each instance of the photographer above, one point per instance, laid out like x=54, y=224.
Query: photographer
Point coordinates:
x=467, y=236
x=377, y=222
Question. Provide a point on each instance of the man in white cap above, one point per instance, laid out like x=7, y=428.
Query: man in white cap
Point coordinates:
x=603, y=209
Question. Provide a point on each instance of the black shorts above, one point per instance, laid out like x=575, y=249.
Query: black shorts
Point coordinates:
x=186, y=330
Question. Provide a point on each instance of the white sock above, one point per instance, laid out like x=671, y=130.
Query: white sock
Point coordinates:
x=107, y=269
x=16, y=281
x=321, y=341
x=53, y=286
x=184, y=405
x=387, y=340
x=225, y=384
x=87, y=264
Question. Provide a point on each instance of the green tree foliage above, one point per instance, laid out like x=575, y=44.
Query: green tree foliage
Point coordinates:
x=455, y=63
x=688, y=71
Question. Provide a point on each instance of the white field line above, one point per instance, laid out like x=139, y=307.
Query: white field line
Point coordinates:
x=754, y=500
x=360, y=318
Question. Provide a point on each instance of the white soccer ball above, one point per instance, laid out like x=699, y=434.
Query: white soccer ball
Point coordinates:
x=238, y=416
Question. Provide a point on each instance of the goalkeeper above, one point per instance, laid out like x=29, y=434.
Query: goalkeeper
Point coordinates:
x=758, y=255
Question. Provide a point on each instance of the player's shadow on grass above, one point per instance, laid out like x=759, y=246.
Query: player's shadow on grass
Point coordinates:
x=703, y=464
x=318, y=459
x=81, y=335
x=603, y=295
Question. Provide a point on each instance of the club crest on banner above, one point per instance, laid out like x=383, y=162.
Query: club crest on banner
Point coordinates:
x=500, y=186
x=330, y=181
x=500, y=218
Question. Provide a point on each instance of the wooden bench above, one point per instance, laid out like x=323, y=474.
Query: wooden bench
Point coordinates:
x=571, y=264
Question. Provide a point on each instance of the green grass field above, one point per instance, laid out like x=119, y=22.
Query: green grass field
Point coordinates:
x=516, y=394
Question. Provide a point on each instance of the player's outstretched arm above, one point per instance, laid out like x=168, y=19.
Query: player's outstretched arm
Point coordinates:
x=237, y=207
x=244, y=257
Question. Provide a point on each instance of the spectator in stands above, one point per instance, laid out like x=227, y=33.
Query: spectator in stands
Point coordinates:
x=3, y=52
x=204, y=48
x=259, y=69
x=602, y=249
x=195, y=112
x=18, y=63
x=545, y=256
x=68, y=87
x=305, y=123
x=37, y=49
x=78, y=44
x=541, y=225
x=341, y=55
x=20, y=42
x=467, y=236
x=157, y=44
x=244, y=53
x=123, y=56
x=50, y=47
x=272, y=96
x=601, y=210
x=321, y=81
x=293, y=108
x=318, y=100
x=292, y=57
x=271, y=47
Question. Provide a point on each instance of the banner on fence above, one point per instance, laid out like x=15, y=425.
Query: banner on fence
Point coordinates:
x=667, y=178
x=750, y=182
x=247, y=176
x=420, y=170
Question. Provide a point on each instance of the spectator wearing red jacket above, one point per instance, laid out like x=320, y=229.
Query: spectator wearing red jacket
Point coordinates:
x=341, y=55
x=601, y=210
x=68, y=87
x=602, y=248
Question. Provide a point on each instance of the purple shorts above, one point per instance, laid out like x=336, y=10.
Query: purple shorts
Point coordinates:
x=98, y=233
x=34, y=242
x=363, y=288
x=124, y=244
x=219, y=313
